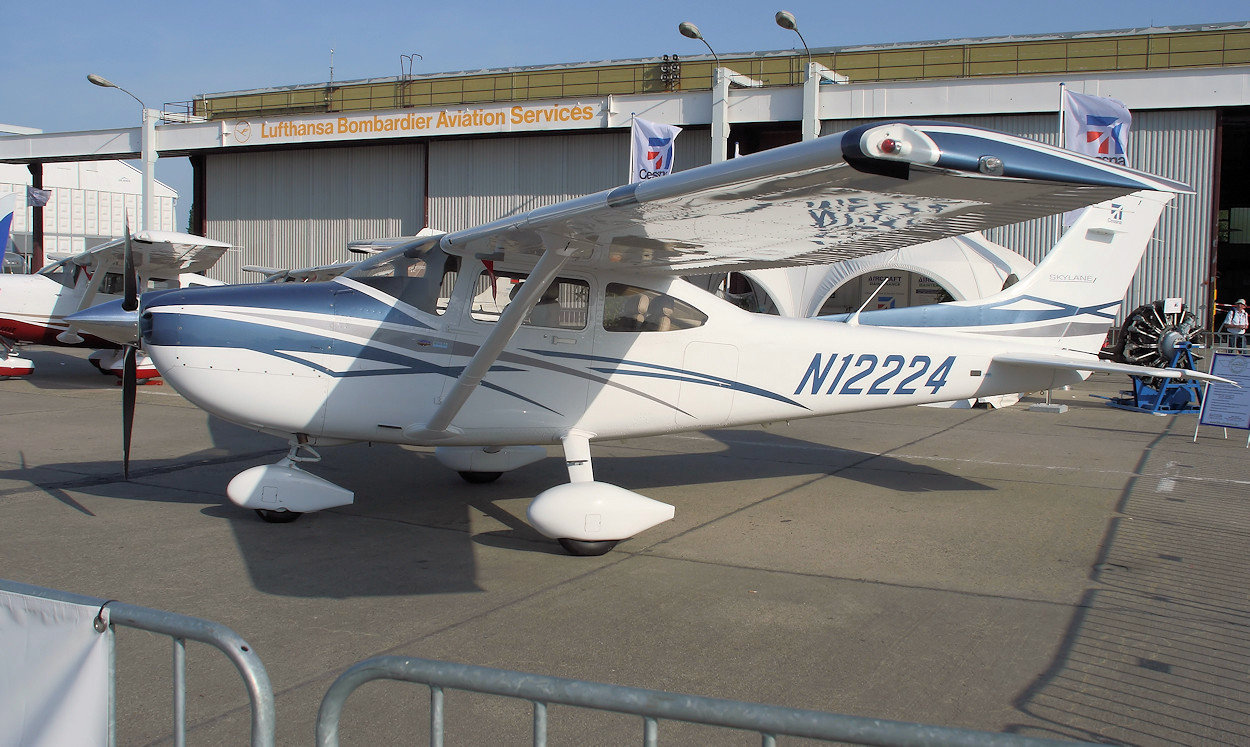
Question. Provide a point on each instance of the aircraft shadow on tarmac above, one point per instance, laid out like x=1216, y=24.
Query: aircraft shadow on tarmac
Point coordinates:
x=414, y=524
x=1156, y=652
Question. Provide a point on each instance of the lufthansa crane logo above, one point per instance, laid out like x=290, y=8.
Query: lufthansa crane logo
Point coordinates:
x=242, y=131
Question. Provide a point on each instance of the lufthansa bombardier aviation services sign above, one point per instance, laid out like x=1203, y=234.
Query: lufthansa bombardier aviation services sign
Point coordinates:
x=494, y=118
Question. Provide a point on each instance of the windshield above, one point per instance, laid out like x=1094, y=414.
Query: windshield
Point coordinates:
x=420, y=275
x=64, y=272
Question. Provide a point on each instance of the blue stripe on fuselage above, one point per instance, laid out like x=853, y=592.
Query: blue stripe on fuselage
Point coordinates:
x=276, y=337
x=945, y=315
x=312, y=298
x=652, y=370
x=168, y=329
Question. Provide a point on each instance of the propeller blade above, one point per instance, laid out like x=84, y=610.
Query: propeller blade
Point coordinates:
x=130, y=294
x=130, y=385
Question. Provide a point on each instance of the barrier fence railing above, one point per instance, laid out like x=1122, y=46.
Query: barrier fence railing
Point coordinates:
x=652, y=706
x=180, y=628
x=1226, y=342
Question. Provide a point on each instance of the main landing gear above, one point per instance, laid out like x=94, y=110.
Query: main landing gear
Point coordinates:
x=588, y=517
x=11, y=364
x=585, y=516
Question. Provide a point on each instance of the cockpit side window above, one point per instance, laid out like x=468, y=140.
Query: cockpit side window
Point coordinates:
x=563, y=305
x=113, y=284
x=628, y=308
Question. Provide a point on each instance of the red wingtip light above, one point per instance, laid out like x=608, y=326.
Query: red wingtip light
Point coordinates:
x=891, y=147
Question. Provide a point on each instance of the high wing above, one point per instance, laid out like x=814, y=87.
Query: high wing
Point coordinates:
x=156, y=254
x=867, y=190
x=302, y=274
x=159, y=254
x=331, y=271
x=374, y=246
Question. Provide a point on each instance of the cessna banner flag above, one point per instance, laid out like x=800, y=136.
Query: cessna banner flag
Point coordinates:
x=650, y=149
x=1096, y=126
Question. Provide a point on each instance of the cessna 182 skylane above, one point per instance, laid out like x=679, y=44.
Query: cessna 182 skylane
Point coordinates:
x=33, y=307
x=569, y=323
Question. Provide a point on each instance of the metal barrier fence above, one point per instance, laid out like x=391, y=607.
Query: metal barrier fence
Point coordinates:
x=651, y=705
x=1226, y=342
x=180, y=628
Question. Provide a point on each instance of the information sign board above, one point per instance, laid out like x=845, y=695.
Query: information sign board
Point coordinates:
x=1225, y=405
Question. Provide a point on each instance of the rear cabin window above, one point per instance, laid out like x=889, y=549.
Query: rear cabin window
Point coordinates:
x=628, y=308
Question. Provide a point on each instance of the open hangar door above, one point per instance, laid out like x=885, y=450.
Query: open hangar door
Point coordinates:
x=1232, y=248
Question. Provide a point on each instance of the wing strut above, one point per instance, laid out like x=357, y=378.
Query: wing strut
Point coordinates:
x=439, y=425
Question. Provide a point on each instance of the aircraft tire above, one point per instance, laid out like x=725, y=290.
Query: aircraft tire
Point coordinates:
x=278, y=517
x=586, y=548
x=480, y=478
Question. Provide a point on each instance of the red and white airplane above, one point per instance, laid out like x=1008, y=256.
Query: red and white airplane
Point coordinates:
x=33, y=307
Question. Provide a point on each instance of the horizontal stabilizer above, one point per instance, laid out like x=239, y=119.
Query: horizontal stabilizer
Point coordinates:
x=1093, y=364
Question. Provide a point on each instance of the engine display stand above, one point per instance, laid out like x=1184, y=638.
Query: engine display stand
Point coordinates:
x=1169, y=395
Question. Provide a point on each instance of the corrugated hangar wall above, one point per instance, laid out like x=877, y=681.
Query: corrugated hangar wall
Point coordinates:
x=299, y=208
x=474, y=181
x=1177, y=144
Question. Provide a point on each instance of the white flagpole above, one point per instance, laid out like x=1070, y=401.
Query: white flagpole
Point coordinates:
x=1063, y=143
x=629, y=170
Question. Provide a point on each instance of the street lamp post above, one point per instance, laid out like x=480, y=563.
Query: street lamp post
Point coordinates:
x=720, y=95
x=786, y=20
x=811, y=83
x=147, y=152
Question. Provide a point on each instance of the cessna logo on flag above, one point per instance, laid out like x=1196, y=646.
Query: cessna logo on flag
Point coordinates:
x=1097, y=126
x=650, y=149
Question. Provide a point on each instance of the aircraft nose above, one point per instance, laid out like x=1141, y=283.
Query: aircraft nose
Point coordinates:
x=108, y=321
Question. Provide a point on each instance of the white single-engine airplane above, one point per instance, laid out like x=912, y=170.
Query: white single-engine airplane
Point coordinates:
x=33, y=307
x=569, y=323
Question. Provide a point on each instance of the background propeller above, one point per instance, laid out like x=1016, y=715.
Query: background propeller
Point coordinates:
x=130, y=381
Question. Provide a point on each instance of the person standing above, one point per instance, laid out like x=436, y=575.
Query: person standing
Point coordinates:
x=1235, y=324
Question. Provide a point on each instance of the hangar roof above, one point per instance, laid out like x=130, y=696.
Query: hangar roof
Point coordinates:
x=1158, y=48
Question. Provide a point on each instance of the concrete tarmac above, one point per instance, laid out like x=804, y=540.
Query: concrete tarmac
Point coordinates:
x=1079, y=575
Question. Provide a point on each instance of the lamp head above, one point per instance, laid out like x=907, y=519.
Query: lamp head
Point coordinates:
x=689, y=30
x=100, y=81
x=786, y=20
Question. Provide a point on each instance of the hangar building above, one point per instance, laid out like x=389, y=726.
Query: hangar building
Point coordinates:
x=87, y=204
x=292, y=173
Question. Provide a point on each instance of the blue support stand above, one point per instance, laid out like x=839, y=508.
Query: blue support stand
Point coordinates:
x=1174, y=396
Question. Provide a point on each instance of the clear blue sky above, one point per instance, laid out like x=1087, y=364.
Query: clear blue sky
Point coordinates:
x=171, y=51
